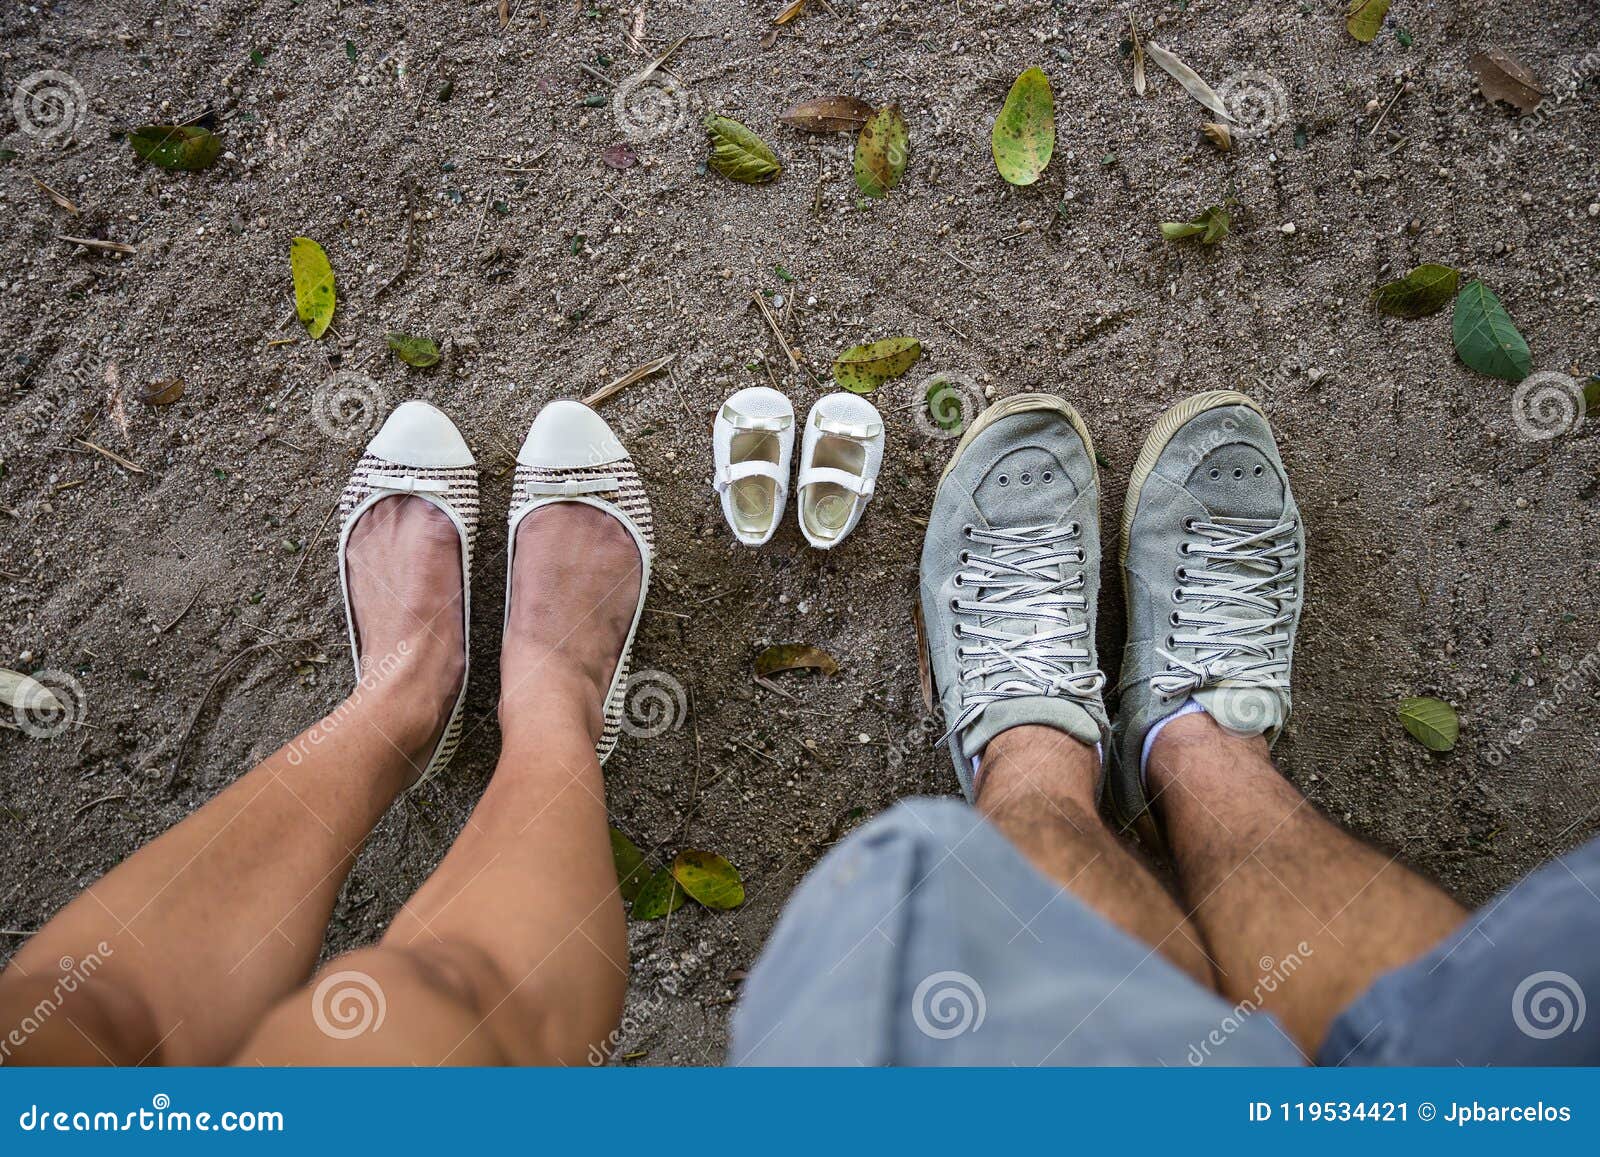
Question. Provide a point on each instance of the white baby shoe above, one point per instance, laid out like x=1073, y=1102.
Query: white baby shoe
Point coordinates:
x=753, y=440
x=839, y=459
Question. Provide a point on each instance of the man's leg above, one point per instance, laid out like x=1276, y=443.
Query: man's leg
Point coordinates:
x=1271, y=881
x=515, y=950
x=191, y=939
x=1039, y=787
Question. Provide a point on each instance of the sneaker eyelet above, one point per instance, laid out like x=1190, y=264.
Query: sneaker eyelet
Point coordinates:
x=1177, y=595
x=1215, y=473
x=966, y=531
x=953, y=605
x=965, y=557
x=1238, y=473
x=957, y=581
x=1183, y=549
x=1181, y=573
x=1173, y=619
x=1004, y=480
x=1188, y=526
x=1258, y=471
x=1073, y=528
x=1171, y=642
x=1048, y=476
x=1026, y=479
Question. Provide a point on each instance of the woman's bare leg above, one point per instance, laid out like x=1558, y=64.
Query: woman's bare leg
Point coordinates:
x=195, y=936
x=515, y=951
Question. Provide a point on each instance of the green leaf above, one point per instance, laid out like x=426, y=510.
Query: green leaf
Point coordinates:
x=1211, y=226
x=881, y=151
x=863, y=368
x=1591, y=396
x=414, y=351
x=738, y=154
x=660, y=896
x=1431, y=723
x=709, y=878
x=313, y=285
x=632, y=870
x=185, y=147
x=793, y=656
x=1365, y=17
x=1424, y=290
x=1024, y=134
x=8, y=155
x=1485, y=336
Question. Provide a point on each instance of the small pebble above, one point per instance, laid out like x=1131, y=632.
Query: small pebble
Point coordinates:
x=1286, y=227
x=864, y=738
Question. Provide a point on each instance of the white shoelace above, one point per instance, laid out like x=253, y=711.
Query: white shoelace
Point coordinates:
x=1022, y=577
x=1234, y=609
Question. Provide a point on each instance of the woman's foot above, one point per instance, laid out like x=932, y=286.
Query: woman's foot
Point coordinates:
x=574, y=591
x=403, y=562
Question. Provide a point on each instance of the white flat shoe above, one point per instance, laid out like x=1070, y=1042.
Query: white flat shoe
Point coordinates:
x=753, y=442
x=418, y=452
x=839, y=459
x=571, y=455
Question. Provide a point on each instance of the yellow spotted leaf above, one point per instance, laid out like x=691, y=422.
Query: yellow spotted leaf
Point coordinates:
x=708, y=878
x=313, y=285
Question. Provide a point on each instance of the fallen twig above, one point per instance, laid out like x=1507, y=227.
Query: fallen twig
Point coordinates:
x=637, y=374
x=96, y=243
x=117, y=458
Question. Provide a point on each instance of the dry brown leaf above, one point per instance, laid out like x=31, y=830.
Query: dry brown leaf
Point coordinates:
x=924, y=663
x=828, y=114
x=769, y=38
x=58, y=198
x=789, y=12
x=505, y=13
x=164, y=393
x=1138, y=57
x=1217, y=134
x=1189, y=78
x=790, y=656
x=114, y=399
x=1505, y=78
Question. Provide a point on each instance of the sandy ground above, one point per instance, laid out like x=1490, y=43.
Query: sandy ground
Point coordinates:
x=1450, y=554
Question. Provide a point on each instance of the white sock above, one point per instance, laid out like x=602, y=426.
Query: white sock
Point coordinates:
x=1189, y=708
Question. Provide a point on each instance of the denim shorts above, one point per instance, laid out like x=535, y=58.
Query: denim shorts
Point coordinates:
x=927, y=939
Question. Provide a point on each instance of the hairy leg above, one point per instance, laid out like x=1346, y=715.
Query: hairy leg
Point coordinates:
x=1300, y=916
x=1039, y=787
x=195, y=936
x=515, y=951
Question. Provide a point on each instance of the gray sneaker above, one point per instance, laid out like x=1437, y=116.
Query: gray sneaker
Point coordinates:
x=1213, y=559
x=1010, y=578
